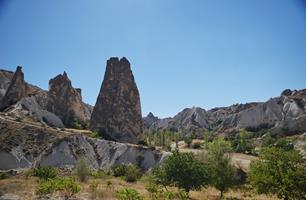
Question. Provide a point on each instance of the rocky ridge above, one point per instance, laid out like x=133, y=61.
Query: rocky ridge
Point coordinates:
x=283, y=115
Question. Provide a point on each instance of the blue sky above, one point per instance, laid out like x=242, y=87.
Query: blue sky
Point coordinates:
x=184, y=53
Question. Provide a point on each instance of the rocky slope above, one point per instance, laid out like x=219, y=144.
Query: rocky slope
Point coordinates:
x=62, y=103
x=284, y=115
x=25, y=145
x=117, y=113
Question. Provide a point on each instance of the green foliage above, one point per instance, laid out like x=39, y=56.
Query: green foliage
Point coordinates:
x=208, y=136
x=221, y=172
x=279, y=172
x=77, y=124
x=128, y=194
x=267, y=140
x=284, y=144
x=130, y=172
x=119, y=170
x=183, y=195
x=188, y=139
x=95, y=135
x=82, y=170
x=3, y=175
x=182, y=170
x=67, y=186
x=101, y=173
x=162, y=138
x=243, y=142
x=45, y=172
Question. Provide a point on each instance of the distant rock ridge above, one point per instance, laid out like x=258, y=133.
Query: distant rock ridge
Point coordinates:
x=285, y=115
x=117, y=113
x=66, y=101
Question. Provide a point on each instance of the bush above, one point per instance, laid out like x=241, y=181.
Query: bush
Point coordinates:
x=279, y=172
x=67, y=186
x=45, y=172
x=3, y=175
x=182, y=170
x=119, y=170
x=82, y=170
x=129, y=171
x=128, y=194
x=132, y=173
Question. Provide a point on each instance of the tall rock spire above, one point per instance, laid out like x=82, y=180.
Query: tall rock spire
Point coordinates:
x=117, y=113
x=16, y=90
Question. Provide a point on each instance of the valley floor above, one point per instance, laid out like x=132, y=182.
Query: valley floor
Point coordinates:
x=21, y=187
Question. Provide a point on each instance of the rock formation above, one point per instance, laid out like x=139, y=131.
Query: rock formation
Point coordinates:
x=5, y=80
x=117, y=113
x=283, y=115
x=66, y=101
x=16, y=90
x=25, y=145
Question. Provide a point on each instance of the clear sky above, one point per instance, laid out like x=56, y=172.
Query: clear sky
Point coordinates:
x=184, y=53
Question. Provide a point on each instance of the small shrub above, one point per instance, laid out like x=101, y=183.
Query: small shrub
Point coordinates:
x=45, y=172
x=3, y=175
x=128, y=194
x=132, y=173
x=82, y=170
x=109, y=185
x=119, y=170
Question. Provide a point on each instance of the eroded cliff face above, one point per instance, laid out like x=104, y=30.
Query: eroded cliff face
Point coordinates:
x=29, y=145
x=66, y=101
x=283, y=115
x=117, y=113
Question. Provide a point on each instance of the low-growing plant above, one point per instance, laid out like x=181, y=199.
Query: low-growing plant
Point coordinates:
x=3, y=175
x=82, y=170
x=128, y=194
x=119, y=170
x=94, y=189
x=101, y=173
x=109, y=185
x=183, y=195
x=45, y=172
x=132, y=173
x=67, y=186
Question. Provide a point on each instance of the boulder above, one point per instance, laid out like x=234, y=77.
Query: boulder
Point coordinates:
x=117, y=113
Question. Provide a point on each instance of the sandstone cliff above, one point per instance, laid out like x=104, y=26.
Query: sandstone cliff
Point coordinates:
x=117, y=113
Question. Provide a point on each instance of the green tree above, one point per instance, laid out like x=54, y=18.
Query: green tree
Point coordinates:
x=222, y=172
x=279, y=172
x=182, y=170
